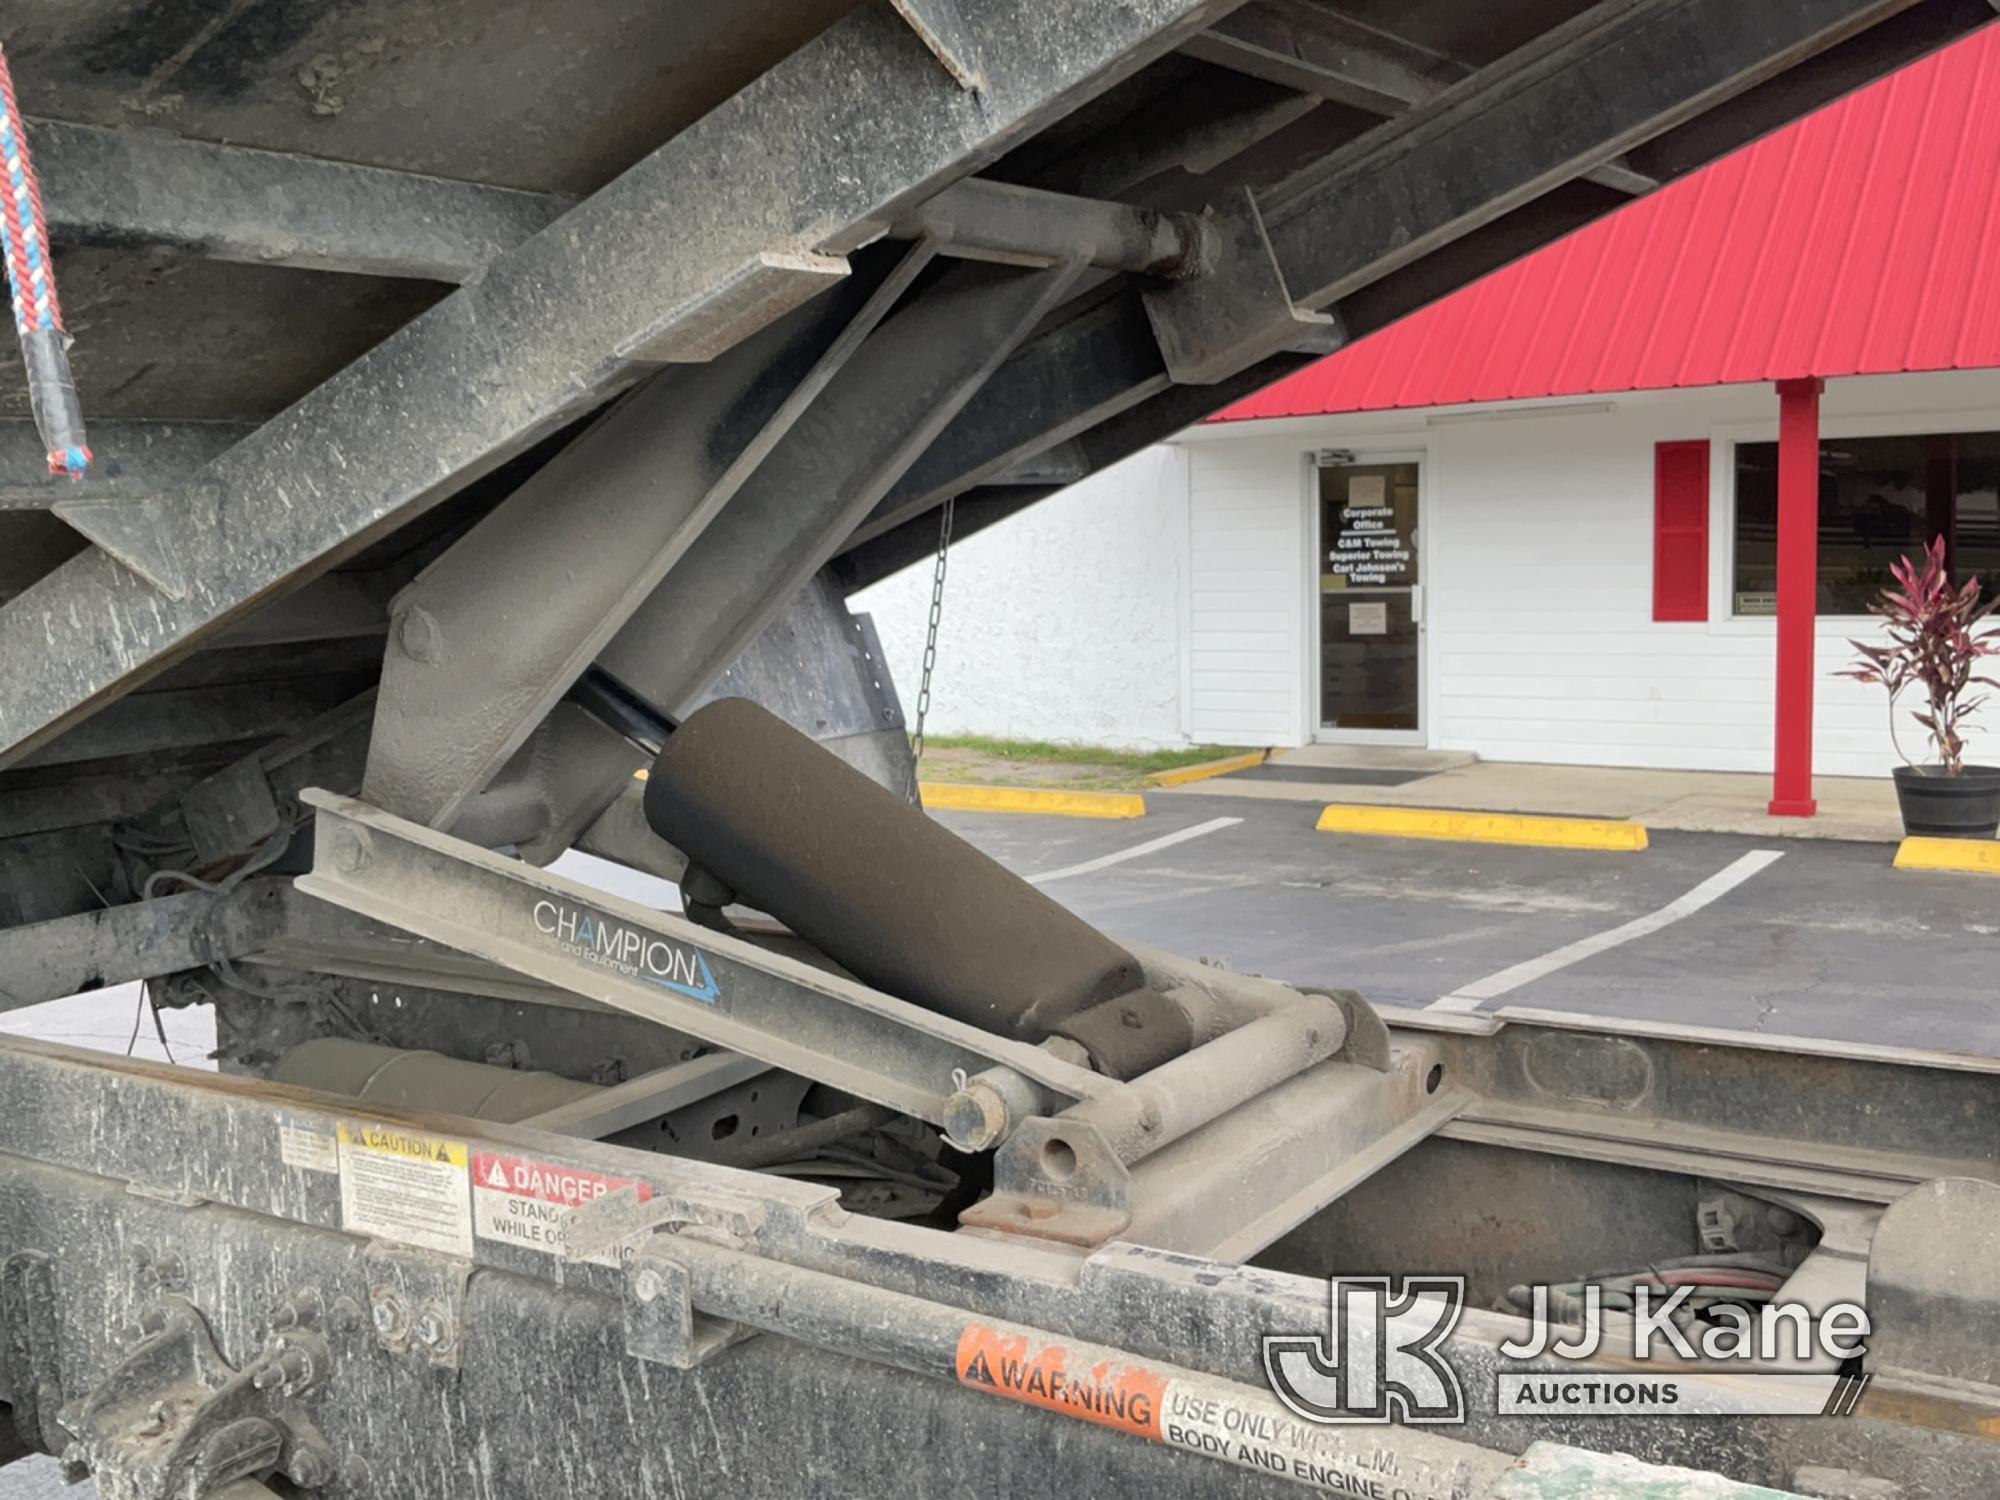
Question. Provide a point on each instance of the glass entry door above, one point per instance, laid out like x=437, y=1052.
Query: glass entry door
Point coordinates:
x=1370, y=601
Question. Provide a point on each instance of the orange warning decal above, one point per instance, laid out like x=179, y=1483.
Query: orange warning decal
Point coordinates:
x=1128, y=1397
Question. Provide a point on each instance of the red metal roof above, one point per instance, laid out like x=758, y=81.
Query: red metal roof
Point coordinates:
x=1861, y=240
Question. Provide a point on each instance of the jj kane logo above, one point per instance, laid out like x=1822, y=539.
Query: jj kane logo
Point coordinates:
x=598, y=939
x=1378, y=1360
x=1382, y=1359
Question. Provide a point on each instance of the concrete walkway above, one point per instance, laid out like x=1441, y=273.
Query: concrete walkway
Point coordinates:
x=1693, y=801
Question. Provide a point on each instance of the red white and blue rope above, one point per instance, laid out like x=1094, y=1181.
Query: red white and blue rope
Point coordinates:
x=31, y=279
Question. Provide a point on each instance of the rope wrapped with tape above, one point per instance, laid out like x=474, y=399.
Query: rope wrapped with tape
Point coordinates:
x=31, y=280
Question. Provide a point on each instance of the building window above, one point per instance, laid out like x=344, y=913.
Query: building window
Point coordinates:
x=1879, y=498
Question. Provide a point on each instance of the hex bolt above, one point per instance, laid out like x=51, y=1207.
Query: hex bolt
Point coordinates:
x=419, y=636
x=350, y=849
x=173, y=1271
x=309, y=1468
x=647, y=1285
x=430, y=1328
x=300, y=1311
x=388, y=1315
x=288, y=1368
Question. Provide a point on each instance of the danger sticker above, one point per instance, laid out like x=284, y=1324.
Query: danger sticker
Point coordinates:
x=519, y=1201
x=399, y=1185
x=1196, y=1413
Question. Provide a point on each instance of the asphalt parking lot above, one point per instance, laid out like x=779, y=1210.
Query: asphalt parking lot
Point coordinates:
x=1791, y=937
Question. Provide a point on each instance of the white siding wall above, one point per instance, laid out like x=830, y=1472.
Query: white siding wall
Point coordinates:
x=1168, y=600
x=1542, y=642
x=1060, y=623
x=1538, y=551
x=1246, y=568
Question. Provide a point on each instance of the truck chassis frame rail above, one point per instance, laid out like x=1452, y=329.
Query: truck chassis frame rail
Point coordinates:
x=154, y=1197
x=462, y=433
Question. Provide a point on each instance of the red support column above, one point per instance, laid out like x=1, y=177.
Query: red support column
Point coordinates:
x=1798, y=594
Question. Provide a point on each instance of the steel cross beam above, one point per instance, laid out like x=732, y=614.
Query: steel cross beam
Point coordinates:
x=1324, y=54
x=758, y=200
x=903, y=388
x=273, y=208
x=139, y=940
x=742, y=478
x=1435, y=172
x=587, y=537
x=1612, y=78
x=662, y=967
x=1058, y=386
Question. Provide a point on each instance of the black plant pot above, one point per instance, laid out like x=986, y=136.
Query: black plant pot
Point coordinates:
x=1965, y=806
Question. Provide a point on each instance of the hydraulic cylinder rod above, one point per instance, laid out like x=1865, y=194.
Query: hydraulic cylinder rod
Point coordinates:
x=1016, y=225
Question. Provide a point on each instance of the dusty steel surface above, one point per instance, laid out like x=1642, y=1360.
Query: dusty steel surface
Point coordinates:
x=354, y=288
x=578, y=312
x=208, y=1158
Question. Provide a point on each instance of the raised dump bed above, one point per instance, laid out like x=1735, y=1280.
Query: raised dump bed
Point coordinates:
x=485, y=403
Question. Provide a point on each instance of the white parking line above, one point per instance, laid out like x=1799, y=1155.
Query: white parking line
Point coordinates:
x=1472, y=996
x=1164, y=841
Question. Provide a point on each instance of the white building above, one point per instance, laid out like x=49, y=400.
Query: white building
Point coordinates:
x=1539, y=520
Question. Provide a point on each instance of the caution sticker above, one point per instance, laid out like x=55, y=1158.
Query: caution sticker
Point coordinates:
x=520, y=1201
x=1199, y=1414
x=399, y=1185
x=307, y=1144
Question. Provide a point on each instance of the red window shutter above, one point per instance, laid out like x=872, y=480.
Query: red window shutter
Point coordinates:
x=1680, y=531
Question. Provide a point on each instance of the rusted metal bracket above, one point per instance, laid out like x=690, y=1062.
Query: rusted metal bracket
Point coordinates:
x=1242, y=311
x=416, y=1303
x=176, y=1421
x=1056, y=1180
x=661, y=1324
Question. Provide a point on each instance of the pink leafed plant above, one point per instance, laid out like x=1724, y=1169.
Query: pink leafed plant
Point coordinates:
x=1938, y=634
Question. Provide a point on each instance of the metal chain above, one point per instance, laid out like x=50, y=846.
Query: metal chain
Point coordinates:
x=931, y=633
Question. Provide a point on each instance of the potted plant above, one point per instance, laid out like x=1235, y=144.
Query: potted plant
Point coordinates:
x=1938, y=635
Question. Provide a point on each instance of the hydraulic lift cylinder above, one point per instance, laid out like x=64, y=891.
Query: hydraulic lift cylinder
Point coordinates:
x=902, y=902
